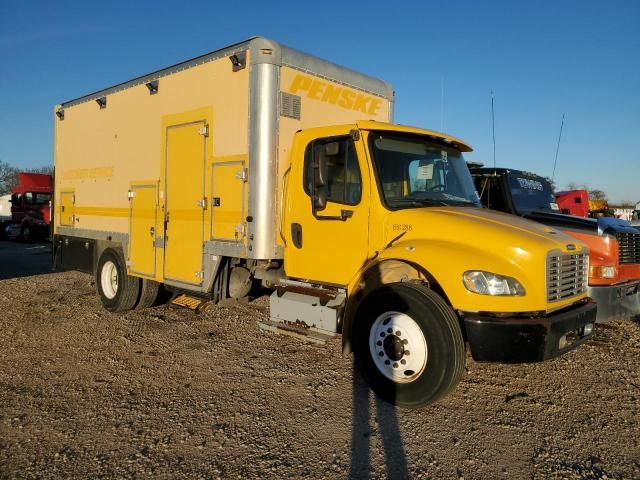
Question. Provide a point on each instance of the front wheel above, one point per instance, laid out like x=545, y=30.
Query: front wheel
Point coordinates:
x=408, y=345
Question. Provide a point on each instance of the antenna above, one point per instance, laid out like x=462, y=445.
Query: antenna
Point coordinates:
x=493, y=131
x=442, y=104
x=555, y=162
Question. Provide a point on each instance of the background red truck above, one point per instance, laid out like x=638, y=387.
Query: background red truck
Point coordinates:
x=30, y=207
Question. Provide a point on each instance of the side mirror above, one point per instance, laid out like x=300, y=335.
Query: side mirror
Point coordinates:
x=321, y=173
x=320, y=199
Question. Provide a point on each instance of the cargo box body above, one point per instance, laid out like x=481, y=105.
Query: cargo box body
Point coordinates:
x=185, y=164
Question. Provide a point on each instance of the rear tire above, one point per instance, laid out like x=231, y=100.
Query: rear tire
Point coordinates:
x=408, y=345
x=148, y=294
x=26, y=233
x=118, y=291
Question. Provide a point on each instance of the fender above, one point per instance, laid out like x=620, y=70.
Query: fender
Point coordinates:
x=376, y=273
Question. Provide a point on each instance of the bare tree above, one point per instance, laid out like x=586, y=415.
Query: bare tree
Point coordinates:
x=597, y=195
x=8, y=177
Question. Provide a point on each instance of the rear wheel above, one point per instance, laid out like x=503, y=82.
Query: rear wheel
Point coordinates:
x=26, y=234
x=148, y=294
x=117, y=290
x=408, y=345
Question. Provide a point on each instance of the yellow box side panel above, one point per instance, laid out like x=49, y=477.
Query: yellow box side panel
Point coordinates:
x=142, y=229
x=228, y=190
x=99, y=152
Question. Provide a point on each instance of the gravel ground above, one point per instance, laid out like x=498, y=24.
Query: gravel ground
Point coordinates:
x=167, y=393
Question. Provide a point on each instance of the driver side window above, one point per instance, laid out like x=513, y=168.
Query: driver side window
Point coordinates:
x=344, y=182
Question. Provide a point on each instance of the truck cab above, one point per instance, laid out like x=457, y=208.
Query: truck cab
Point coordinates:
x=371, y=205
x=30, y=206
x=614, y=269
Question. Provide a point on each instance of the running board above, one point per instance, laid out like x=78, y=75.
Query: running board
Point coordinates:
x=192, y=303
x=309, y=317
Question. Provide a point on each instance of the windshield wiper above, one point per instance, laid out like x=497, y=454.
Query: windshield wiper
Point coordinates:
x=422, y=202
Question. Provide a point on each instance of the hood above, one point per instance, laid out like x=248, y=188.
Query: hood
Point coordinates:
x=470, y=224
x=447, y=241
x=561, y=221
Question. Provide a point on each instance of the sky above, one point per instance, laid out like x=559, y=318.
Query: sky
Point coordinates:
x=542, y=59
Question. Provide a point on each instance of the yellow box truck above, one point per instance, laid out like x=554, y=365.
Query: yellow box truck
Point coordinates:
x=258, y=163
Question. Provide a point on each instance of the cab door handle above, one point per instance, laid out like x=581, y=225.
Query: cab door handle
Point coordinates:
x=346, y=214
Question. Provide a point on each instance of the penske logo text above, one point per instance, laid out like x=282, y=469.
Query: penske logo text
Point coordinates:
x=334, y=94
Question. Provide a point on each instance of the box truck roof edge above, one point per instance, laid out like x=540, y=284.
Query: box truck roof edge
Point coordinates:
x=274, y=53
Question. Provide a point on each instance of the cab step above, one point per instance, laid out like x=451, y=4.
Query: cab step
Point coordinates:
x=295, y=331
x=308, y=316
x=192, y=303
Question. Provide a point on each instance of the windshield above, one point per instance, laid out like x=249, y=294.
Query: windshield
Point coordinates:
x=530, y=194
x=414, y=172
x=37, y=198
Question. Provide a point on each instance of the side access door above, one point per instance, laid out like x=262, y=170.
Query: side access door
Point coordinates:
x=143, y=202
x=327, y=239
x=184, y=202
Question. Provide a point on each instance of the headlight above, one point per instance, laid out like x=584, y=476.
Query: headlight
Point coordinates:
x=604, y=271
x=487, y=283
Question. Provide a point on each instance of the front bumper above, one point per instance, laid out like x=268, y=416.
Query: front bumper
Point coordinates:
x=532, y=339
x=616, y=302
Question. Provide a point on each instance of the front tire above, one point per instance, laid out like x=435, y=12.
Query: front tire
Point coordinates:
x=118, y=291
x=408, y=345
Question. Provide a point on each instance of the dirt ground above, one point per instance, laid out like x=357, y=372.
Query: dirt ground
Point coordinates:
x=167, y=393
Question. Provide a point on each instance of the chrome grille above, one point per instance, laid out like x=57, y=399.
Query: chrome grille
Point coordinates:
x=629, y=244
x=567, y=275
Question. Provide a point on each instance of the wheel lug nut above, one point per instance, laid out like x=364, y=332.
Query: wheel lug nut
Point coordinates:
x=382, y=334
x=395, y=365
x=403, y=361
x=405, y=341
x=398, y=333
x=407, y=352
x=381, y=354
x=389, y=330
x=387, y=362
x=379, y=342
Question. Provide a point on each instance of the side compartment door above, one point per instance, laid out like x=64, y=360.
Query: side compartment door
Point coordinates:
x=227, y=203
x=67, y=206
x=143, y=203
x=185, y=202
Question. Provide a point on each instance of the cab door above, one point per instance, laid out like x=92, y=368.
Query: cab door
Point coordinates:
x=327, y=243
